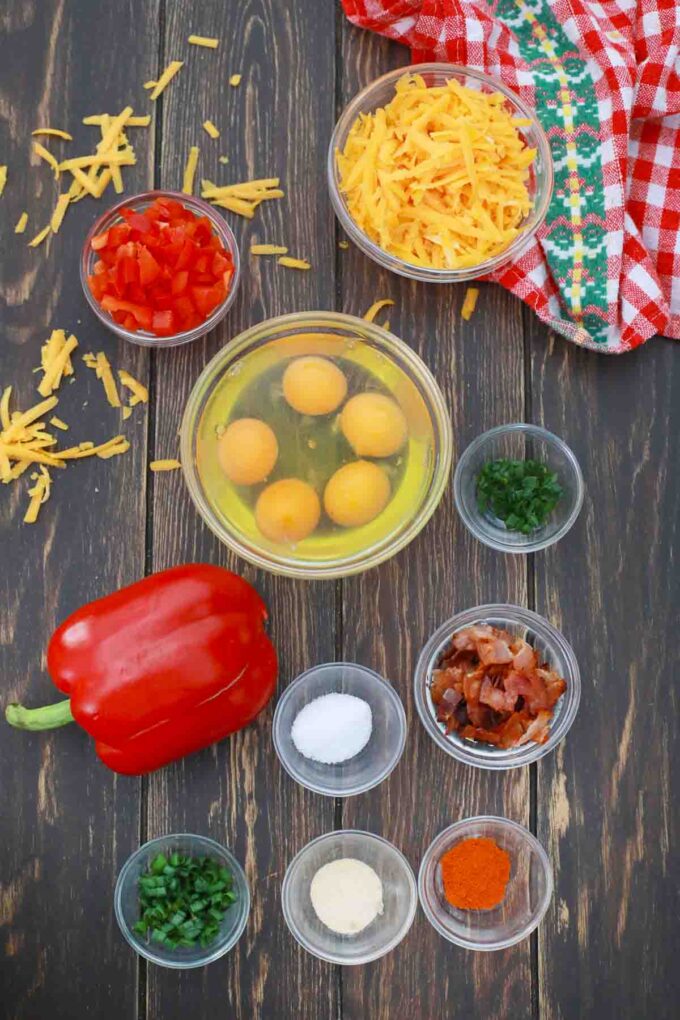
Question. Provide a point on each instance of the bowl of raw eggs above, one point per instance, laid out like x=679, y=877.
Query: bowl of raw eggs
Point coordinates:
x=316, y=445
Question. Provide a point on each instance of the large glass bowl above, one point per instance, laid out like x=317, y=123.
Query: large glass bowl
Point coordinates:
x=400, y=897
x=553, y=648
x=527, y=895
x=540, y=184
x=126, y=901
x=370, y=766
x=139, y=203
x=344, y=330
x=518, y=441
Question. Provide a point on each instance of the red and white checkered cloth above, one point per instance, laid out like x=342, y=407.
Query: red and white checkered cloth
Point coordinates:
x=631, y=49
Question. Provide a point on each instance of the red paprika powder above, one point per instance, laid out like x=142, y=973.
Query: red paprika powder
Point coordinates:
x=475, y=873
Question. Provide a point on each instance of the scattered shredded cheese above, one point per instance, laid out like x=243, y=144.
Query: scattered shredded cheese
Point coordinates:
x=224, y=160
x=268, y=249
x=165, y=79
x=242, y=198
x=190, y=171
x=39, y=494
x=59, y=424
x=164, y=465
x=55, y=361
x=204, y=40
x=3, y=178
x=140, y=394
x=376, y=307
x=469, y=302
x=97, y=119
x=127, y=411
x=21, y=223
x=54, y=133
x=45, y=154
x=291, y=263
x=40, y=237
x=235, y=80
x=59, y=212
x=344, y=245
x=100, y=364
x=151, y=84
x=210, y=128
x=105, y=451
x=438, y=176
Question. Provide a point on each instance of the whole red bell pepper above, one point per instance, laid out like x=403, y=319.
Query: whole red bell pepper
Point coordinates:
x=161, y=668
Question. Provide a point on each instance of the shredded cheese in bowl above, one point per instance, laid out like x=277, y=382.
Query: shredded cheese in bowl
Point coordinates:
x=439, y=173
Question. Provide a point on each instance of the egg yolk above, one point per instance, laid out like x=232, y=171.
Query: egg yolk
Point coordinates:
x=374, y=425
x=356, y=493
x=247, y=451
x=314, y=385
x=287, y=511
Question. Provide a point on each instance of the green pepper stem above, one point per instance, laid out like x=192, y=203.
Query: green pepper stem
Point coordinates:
x=46, y=718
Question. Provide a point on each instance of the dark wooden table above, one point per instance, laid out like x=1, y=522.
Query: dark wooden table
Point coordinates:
x=603, y=805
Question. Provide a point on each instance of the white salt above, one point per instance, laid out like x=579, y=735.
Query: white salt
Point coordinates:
x=332, y=728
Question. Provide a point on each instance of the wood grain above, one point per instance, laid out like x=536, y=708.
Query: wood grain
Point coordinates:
x=605, y=801
x=67, y=823
x=274, y=124
x=444, y=571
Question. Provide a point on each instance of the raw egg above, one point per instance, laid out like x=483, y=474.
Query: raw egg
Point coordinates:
x=356, y=493
x=247, y=451
x=287, y=511
x=374, y=425
x=313, y=385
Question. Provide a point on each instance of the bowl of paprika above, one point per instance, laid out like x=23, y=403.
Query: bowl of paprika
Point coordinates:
x=485, y=883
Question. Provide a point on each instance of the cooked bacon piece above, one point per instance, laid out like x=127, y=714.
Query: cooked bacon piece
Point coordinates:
x=491, y=686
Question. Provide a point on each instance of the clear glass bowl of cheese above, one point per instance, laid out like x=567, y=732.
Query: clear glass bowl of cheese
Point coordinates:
x=539, y=185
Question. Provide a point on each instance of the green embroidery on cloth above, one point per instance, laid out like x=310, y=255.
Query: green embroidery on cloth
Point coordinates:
x=566, y=104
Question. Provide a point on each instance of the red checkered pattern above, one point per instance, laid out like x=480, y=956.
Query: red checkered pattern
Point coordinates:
x=632, y=48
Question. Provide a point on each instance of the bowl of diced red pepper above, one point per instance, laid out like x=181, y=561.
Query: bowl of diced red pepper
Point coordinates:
x=160, y=269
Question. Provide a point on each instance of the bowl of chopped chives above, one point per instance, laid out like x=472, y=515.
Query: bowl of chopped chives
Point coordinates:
x=182, y=901
x=518, y=488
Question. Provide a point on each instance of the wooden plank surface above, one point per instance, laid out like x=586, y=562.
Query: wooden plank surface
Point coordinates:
x=606, y=799
x=67, y=823
x=274, y=124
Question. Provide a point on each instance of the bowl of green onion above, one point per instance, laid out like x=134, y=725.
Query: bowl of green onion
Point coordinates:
x=182, y=901
x=518, y=488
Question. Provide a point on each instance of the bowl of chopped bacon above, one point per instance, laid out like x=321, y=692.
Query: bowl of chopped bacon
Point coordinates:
x=497, y=687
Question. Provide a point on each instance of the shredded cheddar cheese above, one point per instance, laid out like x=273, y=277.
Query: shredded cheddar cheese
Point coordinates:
x=102, y=369
x=438, y=176
x=469, y=302
x=224, y=160
x=268, y=249
x=45, y=154
x=210, y=129
x=40, y=237
x=140, y=394
x=291, y=263
x=164, y=465
x=59, y=424
x=204, y=40
x=39, y=494
x=21, y=223
x=97, y=119
x=59, y=212
x=235, y=80
x=150, y=84
x=3, y=178
x=190, y=171
x=242, y=198
x=55, y=361
x=168, y=74
x=53, y=133
x=376, y=307
x=344, y=245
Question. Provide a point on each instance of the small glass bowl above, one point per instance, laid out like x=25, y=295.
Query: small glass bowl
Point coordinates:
x=518, y=442
x=371, y=765
x=139, y=203
x=527, y=896
x=552, y=647
x=540, y=184
x=339, y=328
x=400, y=898
x=126, y=901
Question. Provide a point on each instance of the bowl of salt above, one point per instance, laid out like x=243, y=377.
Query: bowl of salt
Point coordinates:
x=339, y=729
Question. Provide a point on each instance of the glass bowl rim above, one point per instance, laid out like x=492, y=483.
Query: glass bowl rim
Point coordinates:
x=144, y=949
x=399, y=352
x=428, y=862
x=404, y=928
x=497, y=760
x=548, y=438
x=393, y=262
x=323, y=789
x=197, y=205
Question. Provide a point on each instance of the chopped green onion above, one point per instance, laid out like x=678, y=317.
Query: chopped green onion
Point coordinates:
x=521, y=493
